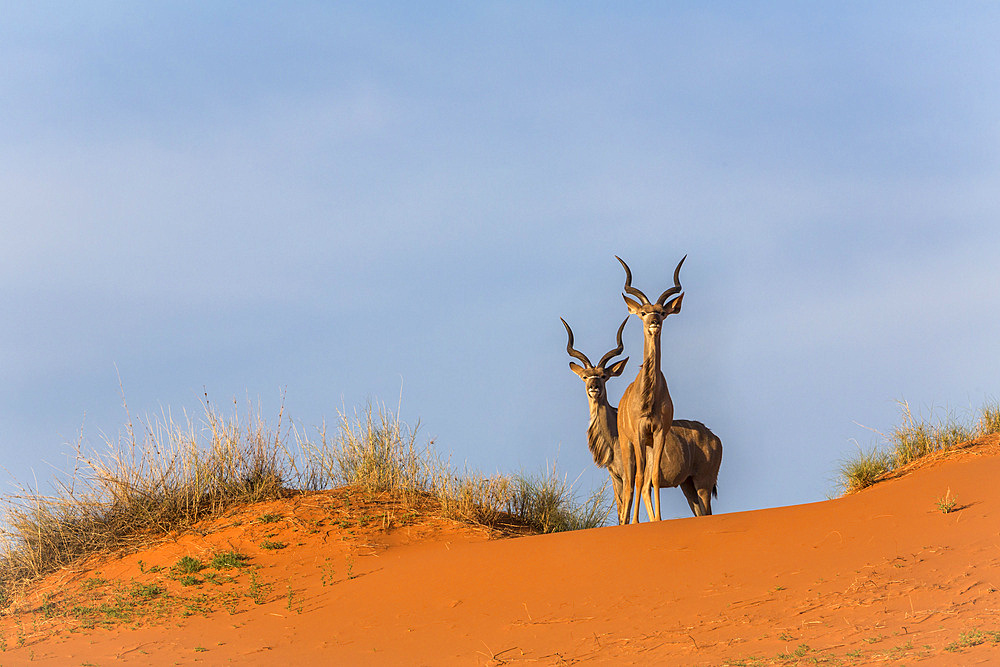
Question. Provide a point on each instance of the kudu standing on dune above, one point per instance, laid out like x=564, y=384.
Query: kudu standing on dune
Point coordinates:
x=703, y=448
x=646, y=413
x=602, y=434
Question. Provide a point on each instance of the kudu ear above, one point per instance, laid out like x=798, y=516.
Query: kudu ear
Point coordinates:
x=616, y=368
x=578, y=369
x=674, y=306
x=633, y=306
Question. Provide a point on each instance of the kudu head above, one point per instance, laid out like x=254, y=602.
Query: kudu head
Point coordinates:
x=653, y=314
x=596, y=376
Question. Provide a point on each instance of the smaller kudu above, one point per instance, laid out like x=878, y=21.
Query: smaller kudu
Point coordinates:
x=602, y=434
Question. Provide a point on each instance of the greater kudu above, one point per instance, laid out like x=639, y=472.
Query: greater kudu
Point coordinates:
x=646, y=413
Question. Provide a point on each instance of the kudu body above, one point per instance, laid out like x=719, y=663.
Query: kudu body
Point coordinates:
x=704, y=458
x=646, y=413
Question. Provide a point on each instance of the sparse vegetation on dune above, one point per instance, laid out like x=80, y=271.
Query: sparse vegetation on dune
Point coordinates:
x=377, y=453
x=912, y=440
x=164, y=476
x=161, y=477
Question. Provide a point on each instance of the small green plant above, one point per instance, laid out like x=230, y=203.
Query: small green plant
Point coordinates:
x=947, y=503
x=231, y=602
x=291, y=595
x=189, y=580
x=973, y=637
x=228, y=559
x=328, y=574
x=48, y=607
x=217, y=579
x=269, y=518
x=258, y=592
x=145, y=591
x=188, y=565
x=797, y=653
x=92, y=583
x=752, y=661
x=350, y=567
x=785, y=637
x=272, y=546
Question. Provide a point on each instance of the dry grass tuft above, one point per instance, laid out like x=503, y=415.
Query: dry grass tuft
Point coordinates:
x=376, y=452
x=165, y=478
x=911, y=441
x=864, y=469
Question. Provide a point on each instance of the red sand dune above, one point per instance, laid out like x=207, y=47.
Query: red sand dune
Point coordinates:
x=879, y=577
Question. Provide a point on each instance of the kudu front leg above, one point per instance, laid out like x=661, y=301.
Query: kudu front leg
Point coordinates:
x=639, y=452
x=647, y=491
x=646, y=500
x=625, y=484
x=616, y=486
x=656, y=455
x=625, y=510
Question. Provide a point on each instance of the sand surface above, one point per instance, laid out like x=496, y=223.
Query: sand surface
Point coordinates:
x=879, y=577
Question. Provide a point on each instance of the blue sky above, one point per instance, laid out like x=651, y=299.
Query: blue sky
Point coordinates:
x=342, y=203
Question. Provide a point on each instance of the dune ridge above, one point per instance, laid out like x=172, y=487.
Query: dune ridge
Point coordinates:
x=882, y=576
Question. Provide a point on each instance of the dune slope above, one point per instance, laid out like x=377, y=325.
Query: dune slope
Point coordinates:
x=880, y=576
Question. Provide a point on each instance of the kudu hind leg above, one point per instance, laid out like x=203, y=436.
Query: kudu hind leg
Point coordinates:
x=705, y=496
x=625, y=508
x=691, y=494
x=624, y=485
x=616, y=486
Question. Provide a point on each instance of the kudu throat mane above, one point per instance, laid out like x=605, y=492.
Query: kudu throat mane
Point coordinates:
x=602, y=434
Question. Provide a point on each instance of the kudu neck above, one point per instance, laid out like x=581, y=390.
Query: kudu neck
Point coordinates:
x=602, y=434
x=602, y=411
x=650, y=356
